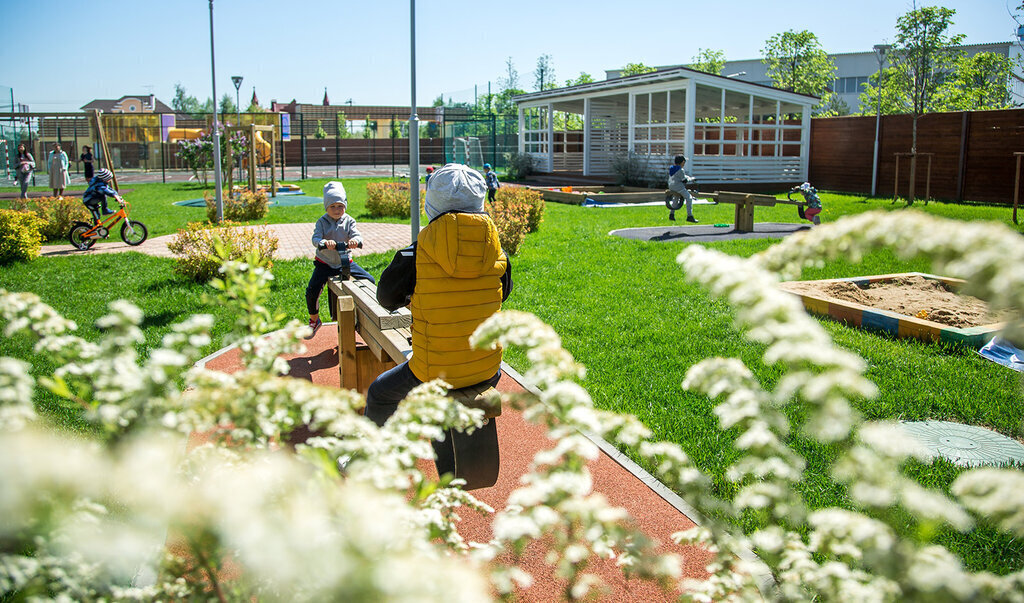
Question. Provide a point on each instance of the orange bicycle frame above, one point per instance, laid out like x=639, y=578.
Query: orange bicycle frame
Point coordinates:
x=108, y=222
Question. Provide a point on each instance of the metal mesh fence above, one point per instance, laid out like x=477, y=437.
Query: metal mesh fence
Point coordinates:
x=148, y=146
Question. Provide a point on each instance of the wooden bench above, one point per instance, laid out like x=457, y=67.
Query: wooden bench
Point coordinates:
x=745, y=204
x=386, y=341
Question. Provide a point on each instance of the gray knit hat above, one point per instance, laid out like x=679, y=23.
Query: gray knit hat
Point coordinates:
x=334, y=192
x=455, y=187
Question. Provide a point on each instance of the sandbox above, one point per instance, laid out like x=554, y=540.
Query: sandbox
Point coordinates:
x=909, y=304
x=575, y=195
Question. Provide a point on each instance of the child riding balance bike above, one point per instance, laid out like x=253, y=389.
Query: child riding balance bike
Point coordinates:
x=83, y=235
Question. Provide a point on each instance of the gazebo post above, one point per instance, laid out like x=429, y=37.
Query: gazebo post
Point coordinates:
x=551, y=137
x=691, y=112
x=586, y=136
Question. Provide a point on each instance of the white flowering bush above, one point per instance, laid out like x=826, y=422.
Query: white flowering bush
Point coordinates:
x=256, y=486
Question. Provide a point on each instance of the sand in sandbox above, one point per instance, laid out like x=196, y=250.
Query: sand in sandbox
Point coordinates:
x=913, y=295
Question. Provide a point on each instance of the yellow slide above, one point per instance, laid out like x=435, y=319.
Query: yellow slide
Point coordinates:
x=262, y=152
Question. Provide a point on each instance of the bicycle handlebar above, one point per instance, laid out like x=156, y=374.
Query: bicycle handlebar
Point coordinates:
x=323, y=244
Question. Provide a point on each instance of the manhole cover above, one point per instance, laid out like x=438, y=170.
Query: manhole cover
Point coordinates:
x=965, y=445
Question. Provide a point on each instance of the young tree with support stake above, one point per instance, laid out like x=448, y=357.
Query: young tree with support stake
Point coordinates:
x=921, y=57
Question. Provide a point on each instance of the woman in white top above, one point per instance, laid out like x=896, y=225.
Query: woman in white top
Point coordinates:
x=57, y=165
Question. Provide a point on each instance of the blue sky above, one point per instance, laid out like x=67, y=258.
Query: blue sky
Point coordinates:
x=60, y=54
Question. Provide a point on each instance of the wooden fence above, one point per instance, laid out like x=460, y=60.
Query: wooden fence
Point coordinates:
x=972, y=154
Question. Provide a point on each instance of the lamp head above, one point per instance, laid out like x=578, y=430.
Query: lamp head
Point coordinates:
x=881, y=50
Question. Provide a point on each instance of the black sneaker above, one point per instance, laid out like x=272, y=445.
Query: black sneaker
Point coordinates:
x=691, y=219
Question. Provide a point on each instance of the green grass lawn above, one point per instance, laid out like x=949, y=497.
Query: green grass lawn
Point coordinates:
x=623, y=309
x=153, y=204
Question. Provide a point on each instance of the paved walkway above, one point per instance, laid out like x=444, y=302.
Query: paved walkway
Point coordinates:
x=293, y=242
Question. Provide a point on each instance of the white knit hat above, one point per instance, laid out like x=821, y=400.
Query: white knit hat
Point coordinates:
x=334, y=192
x=455, y=187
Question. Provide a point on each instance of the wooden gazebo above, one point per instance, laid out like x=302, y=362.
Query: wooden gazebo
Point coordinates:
x=731, y=131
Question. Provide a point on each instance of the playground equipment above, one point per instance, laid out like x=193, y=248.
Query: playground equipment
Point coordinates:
x=260, y=152
x=176, y=134
x=467, y=150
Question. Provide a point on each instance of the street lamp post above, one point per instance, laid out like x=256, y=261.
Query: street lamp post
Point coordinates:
x=880, y=52
x=237, y=81
x=414, y=132
x=216, y=128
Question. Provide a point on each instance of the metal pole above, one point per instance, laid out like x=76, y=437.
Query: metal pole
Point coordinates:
x=302, y=128
x=414, y=132
x=216, y=128
x=880, y=50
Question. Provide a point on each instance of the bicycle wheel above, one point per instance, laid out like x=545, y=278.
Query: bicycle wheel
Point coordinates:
x=137, y=235
x=77, y=240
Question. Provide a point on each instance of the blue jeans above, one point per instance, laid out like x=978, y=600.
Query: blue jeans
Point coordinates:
x=322, y=272
x=391, y=387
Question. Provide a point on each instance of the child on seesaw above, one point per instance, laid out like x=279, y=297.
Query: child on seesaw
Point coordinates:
x=333, y=235
x=677, y=181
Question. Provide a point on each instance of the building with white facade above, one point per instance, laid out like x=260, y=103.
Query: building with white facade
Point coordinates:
x=854, y=68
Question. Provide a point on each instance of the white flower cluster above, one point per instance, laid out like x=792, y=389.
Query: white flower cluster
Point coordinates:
x=833, y=553
x=296, y=496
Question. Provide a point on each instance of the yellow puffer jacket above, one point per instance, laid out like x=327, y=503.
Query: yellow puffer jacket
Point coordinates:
x=459, y=263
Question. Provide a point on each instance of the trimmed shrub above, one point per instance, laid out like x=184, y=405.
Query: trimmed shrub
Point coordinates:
x=388, y=199
x=243, y=207
x=57, y=214
x=20, y=237
x=201, y=248
x=533, y=199
x=511, y=217
x=518, y=165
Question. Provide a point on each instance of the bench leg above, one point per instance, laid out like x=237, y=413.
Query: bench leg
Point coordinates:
x=349, y=371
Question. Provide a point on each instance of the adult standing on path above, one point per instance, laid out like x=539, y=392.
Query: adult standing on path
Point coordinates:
x=25, y=164
x=86, y=159
x=57, y=166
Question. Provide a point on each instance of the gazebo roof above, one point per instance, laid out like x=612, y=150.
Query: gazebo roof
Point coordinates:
x=675, y=73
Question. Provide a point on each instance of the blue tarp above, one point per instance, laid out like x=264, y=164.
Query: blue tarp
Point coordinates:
x=1003, y=352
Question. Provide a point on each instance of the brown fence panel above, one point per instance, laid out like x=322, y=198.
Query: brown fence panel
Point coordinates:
x=842, y=150
x=361, y=151
x=994, y=137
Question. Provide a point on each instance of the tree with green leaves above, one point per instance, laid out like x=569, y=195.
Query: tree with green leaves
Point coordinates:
x=396, y=129
x=342, y=126
x=183, y=102
x=510, y=79
x=977, y=83
x=709, y=61
x=796, y=62
x=584, y=78
x=320, y=133
x=369, y=128
x=880, y=84
x=922, y=55
x=439, y=101
x=255, y=108
x=544, y=74
x=227, y=105
x=635, y=69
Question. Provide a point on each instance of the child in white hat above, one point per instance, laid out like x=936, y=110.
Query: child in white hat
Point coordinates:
x=333, y=235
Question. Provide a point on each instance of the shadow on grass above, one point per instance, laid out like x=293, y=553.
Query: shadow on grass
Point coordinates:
x=158, y=320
